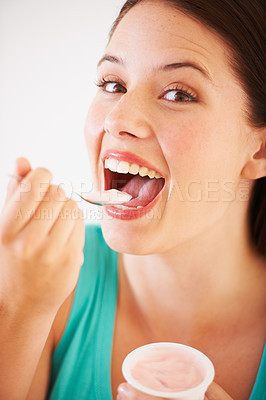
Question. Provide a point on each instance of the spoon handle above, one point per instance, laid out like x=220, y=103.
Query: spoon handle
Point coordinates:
x=97, y=199
x=87, y=200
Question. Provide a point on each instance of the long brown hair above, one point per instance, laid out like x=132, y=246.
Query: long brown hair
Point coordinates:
x=241, y=25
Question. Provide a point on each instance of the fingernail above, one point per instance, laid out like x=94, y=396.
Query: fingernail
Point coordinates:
x=123, y=388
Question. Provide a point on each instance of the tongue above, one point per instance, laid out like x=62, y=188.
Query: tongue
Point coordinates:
x=142, y=190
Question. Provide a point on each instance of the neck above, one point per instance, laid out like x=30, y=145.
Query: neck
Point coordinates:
x=211, y=272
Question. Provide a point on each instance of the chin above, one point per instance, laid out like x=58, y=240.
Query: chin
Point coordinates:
x=127, y=239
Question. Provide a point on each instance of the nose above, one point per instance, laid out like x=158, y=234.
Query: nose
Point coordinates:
x=129, y=116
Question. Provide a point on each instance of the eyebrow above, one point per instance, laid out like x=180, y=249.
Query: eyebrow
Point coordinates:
x=163, y=68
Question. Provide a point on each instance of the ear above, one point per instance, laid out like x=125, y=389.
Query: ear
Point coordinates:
x=255, y=166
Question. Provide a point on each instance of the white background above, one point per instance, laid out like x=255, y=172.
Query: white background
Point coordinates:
x=48, y=55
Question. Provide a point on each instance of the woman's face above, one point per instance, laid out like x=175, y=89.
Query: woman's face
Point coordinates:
x=173, y=106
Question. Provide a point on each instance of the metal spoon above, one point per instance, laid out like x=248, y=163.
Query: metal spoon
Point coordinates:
x=104, y=198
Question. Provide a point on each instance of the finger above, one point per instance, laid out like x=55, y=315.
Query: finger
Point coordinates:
x=65, y=222
x=45, y=216
x=127, y=392
x=25, y=201
x=22, y=168
x=215, y=392
x=68, y=237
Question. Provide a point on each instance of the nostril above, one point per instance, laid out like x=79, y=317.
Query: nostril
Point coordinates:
x=120, y=133
x=123, y=133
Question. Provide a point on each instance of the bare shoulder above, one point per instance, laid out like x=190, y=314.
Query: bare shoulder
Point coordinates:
x=40, y=383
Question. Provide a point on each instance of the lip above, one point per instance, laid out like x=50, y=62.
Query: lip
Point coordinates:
x=131, y=158
x=133, y=214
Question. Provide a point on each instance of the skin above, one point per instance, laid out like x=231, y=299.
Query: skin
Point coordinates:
x=190, y=276
x=37, y=274
x=214, y=392
x=198, y=252
x=193, y=145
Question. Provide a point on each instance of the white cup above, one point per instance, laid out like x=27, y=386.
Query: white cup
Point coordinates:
x=154, y=351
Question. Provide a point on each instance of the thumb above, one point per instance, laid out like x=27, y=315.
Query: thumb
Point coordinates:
x=22, y=168
x=127, y=392
x=215, y=392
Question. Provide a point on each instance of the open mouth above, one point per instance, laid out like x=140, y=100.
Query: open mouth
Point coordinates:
x=142, y=183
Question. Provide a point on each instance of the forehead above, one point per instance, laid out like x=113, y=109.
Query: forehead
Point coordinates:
x=154, y=30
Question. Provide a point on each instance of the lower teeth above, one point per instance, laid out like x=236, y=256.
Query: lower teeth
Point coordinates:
x=121, y=207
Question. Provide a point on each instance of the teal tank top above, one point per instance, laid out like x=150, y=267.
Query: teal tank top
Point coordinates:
x=81, y=363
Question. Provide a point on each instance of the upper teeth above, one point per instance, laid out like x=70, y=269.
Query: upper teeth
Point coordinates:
x=123, y=167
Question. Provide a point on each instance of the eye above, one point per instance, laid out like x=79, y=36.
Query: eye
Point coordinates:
x=179, y=95
x=111, y=86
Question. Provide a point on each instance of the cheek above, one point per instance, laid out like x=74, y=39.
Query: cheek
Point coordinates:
x=185, y=147
x=201, y=147
x=93, y=126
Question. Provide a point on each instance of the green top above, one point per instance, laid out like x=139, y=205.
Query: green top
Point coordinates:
x=81, y=363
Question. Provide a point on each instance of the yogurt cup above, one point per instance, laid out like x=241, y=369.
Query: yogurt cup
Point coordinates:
x=169, y=370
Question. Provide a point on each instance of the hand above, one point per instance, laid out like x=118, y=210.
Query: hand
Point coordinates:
x=215, y=392
x=41, y=242
x=126, y=392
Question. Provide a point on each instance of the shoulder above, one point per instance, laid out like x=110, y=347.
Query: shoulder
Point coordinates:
x=93, y=232
x=99, y=267
x=94, y=241
x=98, y=257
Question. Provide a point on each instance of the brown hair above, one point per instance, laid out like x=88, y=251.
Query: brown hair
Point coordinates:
x=241, y=25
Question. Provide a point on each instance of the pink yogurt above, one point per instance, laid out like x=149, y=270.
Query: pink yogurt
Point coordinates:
x=167, y=370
